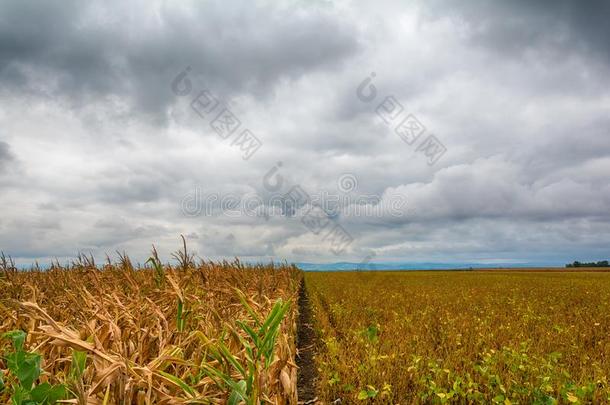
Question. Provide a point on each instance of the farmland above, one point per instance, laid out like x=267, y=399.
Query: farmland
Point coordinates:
x=157, y=334
x=471, y=336
x=216, y=333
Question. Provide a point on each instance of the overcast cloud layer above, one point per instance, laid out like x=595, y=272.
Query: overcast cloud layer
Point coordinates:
x=99, y=153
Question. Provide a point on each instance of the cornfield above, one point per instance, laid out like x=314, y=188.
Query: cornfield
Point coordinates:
x=207, y=333
x=462, y=337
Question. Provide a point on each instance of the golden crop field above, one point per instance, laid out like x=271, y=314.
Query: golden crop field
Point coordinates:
x=462, y=337
x=226, y=333
x=209, y=333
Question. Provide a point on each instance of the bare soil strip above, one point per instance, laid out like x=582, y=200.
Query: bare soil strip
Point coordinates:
x=306, y=386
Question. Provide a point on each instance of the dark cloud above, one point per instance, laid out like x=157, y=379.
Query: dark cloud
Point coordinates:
x=562, y=27
x=90, y=52
x=6, y=156
x=516, y=91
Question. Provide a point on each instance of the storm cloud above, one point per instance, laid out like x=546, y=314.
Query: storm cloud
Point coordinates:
x=99, y=153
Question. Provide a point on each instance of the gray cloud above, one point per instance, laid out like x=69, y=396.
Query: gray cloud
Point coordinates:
x=91, y=52
x=563, y=27
x=102, y=152
x=6, y=157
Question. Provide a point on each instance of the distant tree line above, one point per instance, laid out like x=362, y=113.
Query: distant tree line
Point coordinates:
x=603, y=263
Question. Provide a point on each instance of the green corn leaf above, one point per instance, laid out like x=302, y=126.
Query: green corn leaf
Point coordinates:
x=231, y=359
x=273, y=324
x=249, y=349
x=250, y=380
x=179, y=382
x=180, y=316
x=247, y=306
x=79, y=362
x=216, y=374
x=238, y=395
x=273, y=315
x=253, y=335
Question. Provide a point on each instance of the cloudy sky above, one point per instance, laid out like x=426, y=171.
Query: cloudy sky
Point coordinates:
x=429, y=130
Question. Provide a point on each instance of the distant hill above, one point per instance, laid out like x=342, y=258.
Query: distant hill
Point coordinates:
x=347, y=266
